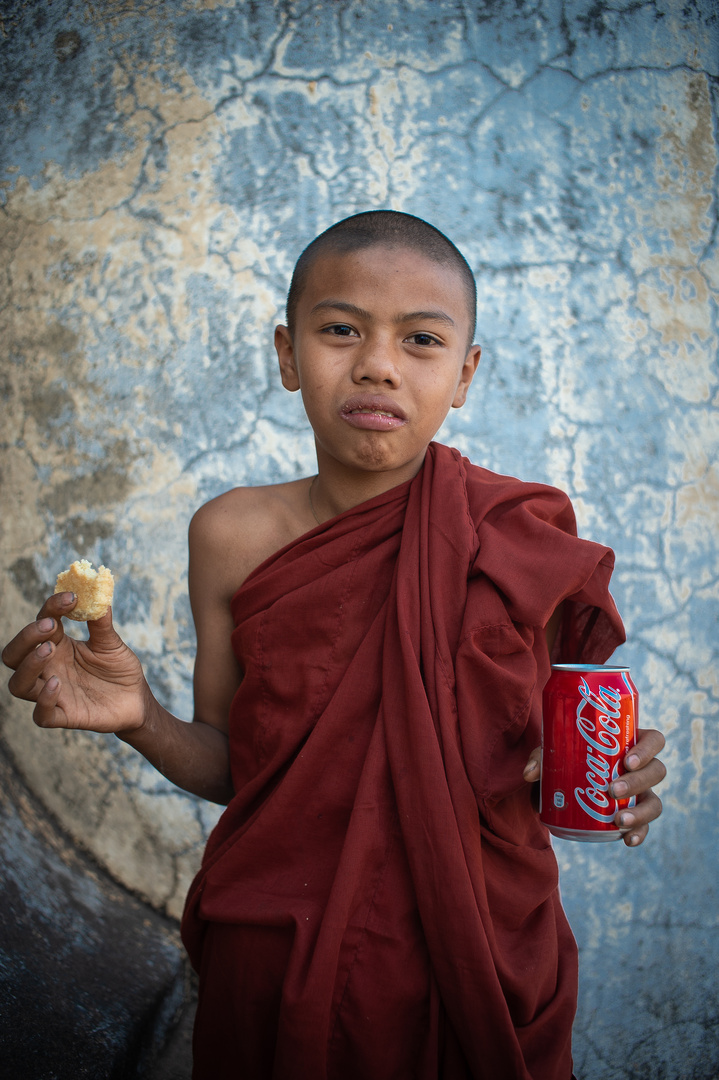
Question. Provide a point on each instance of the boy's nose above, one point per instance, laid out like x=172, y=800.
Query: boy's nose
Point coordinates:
x=377, y=364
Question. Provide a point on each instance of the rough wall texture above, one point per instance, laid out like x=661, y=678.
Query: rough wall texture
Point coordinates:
x=163, y=165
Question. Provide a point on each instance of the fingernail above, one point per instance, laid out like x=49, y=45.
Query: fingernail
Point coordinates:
x=67, y=598
x=633, y=840
x=44, y=625
x=619, y=788
x=45, y=649
x=53, y=683
x=627, y=820
x=633, y=762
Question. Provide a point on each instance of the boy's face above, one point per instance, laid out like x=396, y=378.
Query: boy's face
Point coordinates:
x=380, y=355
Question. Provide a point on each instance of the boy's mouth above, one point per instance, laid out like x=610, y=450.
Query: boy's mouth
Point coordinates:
x=373, y=413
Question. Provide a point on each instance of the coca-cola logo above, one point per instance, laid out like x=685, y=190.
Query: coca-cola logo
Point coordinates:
x=598, y=717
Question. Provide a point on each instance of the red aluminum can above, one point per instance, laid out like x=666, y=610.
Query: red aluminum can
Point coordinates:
x=590, y=721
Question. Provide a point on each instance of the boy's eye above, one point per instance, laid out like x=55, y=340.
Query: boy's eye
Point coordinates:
x=339, y=330
x=422, y=339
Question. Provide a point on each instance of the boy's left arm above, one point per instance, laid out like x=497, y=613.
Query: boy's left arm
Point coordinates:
x=644, y=770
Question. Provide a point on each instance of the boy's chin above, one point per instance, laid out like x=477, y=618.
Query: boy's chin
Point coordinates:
x=374, y=457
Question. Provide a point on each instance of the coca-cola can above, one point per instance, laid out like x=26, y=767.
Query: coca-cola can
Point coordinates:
x=590, y=721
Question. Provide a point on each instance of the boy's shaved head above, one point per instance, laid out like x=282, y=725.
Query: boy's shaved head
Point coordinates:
x=384, y=228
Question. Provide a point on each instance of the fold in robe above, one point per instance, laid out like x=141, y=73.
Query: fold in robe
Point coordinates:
x=379, y=900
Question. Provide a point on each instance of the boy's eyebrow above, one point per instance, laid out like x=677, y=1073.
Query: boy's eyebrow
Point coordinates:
x=438, y=316
x=341, y=305
x=360, y=313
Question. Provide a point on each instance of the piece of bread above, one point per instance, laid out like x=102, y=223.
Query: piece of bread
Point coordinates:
x=93, y=588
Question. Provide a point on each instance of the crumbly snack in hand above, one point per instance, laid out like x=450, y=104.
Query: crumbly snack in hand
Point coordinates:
x=93, y=588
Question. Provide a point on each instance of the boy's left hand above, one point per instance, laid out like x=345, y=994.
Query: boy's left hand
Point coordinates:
x=644, y=769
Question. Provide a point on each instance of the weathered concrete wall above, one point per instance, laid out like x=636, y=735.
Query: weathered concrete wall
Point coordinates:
x=163, y=165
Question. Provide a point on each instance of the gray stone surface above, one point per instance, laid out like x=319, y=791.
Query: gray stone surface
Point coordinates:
x=91, y=980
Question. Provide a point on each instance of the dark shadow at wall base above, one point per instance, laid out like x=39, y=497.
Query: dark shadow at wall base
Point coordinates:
x=93, y=983
x=175, y=1060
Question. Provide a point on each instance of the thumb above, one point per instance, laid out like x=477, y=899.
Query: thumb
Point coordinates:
x=532, y=768
x=103, y=636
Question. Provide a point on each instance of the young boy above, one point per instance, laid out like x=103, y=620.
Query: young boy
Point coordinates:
x=379, y=899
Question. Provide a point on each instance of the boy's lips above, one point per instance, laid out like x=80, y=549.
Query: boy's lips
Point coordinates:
x=373, y=412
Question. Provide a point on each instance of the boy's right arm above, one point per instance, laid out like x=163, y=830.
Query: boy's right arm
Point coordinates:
x=99, y=685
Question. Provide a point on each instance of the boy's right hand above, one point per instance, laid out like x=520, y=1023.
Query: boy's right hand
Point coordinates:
x=94, y=685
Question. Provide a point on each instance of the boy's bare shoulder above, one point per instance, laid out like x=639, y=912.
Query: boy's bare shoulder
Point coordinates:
x=241, y=528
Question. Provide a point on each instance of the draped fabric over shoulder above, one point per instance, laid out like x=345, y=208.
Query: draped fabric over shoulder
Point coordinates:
x=379, y=900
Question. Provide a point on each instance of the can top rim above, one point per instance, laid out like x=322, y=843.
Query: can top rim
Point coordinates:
x=588, y=667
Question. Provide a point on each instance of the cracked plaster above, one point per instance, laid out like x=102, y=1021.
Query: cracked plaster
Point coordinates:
x=163, y=165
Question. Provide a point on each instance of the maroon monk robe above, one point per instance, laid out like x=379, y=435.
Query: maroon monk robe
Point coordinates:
x=379, y=900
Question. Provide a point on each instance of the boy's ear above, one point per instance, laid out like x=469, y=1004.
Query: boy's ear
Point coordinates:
x=286, y=357
x=469, y=367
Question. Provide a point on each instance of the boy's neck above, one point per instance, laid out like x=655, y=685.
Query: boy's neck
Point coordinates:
x=338, y=488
